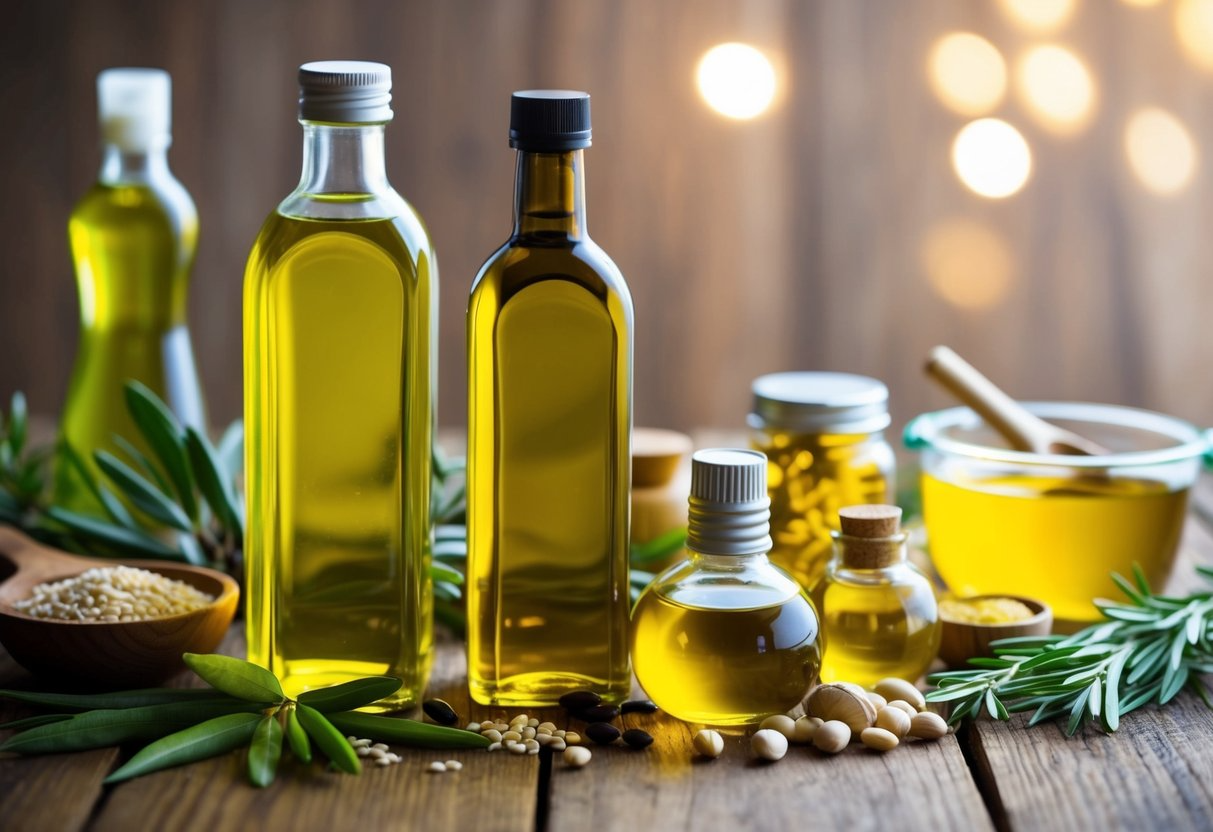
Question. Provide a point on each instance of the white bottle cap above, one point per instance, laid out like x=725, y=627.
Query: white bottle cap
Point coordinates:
x=345, y=92
x=134, y=106
x=729, y=511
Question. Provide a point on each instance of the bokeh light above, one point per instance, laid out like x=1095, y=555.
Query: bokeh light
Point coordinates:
x=967, y=73
x=1141, y=4
x=1194, y=28
x=1161, y=152
x=967, y=263
x=1056, y=86
x=1039, y=15
x=736, y=80
x=992, y=158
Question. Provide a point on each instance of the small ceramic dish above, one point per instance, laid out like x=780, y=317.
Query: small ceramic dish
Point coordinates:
x=964, y=640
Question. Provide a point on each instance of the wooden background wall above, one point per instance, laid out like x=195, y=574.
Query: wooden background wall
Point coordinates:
x=790, y=242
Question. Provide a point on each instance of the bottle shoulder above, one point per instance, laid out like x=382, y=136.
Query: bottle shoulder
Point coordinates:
x=162, y=198
x=719, y=585
x=522, y=261
x=903, y=575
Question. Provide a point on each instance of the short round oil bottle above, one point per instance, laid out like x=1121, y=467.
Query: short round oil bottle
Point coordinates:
x=878, y=611
x=725, y=637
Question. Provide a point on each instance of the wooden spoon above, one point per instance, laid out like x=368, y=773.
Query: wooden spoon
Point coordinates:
x=1023, y=430
x=101, y=654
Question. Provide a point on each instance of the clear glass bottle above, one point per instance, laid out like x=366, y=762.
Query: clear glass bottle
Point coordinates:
x=878, y=612
x=133, y=237
x=549, y=329
x=824, y=436
x=340, y=305
x=725, y=637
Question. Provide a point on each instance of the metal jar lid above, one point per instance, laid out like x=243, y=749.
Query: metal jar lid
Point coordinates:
x=820, y=402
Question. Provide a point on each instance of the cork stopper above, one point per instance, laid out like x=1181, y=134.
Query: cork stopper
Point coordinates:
x=871, y=536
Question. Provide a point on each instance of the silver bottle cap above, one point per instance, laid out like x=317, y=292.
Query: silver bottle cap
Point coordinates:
x=345, y=92
x=134, y=106
x=820, y=402
x=729, y=511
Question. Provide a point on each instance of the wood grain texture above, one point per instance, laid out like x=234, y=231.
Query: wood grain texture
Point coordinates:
x=795, y=241
x=1155, y=772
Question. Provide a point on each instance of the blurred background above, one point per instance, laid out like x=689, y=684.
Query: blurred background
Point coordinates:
x=1024, y=180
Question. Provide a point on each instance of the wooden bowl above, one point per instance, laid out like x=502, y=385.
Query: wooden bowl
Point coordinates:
x=962, y=640
x=656, y=455
x=99, y=654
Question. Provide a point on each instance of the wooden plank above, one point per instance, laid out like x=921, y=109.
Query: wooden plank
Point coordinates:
x=492, y=792
x=921, y=785
x=1155, y=772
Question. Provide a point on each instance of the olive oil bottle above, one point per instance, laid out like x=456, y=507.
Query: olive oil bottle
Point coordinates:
x=340, y=305
x=549, y=433
x=133, y=236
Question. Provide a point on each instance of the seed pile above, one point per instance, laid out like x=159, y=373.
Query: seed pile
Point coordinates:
x=438, y=767
x=524, y=735
x=113, y=593
x=377, y=752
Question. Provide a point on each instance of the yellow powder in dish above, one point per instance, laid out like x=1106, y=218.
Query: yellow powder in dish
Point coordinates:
x=984, y=610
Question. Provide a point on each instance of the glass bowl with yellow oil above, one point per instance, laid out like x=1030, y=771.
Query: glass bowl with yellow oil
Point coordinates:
x=1053, y=527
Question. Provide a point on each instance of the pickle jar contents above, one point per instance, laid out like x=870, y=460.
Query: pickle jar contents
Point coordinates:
x=879, y=614
x=725, y=637
x=823, y=436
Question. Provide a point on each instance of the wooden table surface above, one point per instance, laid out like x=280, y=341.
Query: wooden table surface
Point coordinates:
x=1155, y=773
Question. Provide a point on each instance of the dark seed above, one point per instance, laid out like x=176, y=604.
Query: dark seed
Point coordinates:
x=603, y=713
x=603, y=733
x=637, y=738
x=440, y=711
x=579, y=700
x=638, y=706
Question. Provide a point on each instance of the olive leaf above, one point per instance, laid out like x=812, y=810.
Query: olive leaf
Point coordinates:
x=113, y=507
x=213, y=481
x=130, y=541
x=33, y=722
x=18, y=424
x=265, y=751
x=406, y=731
x=202, y=741
x=659, y=548
x=236, y=677
x=101, y=728
x=145, y=496
x=331, y=741
x=350, y=695
x=164, y=436
x=142, y=463
x=297, y=738
x=119, y=699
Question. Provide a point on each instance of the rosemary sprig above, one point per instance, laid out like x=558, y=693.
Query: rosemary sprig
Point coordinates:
x=1146, y=651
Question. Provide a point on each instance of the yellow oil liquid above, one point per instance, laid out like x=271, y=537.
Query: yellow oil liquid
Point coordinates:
x=548, y=477
x=810, y=477
x=133, y=246
x=1052, y=538
x=339, y=420
x=705, y=658
x=876, y=628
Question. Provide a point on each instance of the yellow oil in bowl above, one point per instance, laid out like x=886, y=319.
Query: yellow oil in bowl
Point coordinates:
x=1053, y=527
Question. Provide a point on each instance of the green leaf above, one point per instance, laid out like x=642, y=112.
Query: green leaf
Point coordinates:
x=119, y=699
x=659, y=548
x=131, y=541
x=331, y=741
x=440, y=572
x=102, y=728
x=145, y=496
x=1077, y=712
x=265, y=751
x=408, y=732
x=192, y=549
x=297, y=738
x=18, y=423
x=236, y=677
x=200, y=742
x=145, y=466
x=231, y=450
x=33, y=722
x=213, y=483
x=350, y=695
x=113, y=507
x=164, y=436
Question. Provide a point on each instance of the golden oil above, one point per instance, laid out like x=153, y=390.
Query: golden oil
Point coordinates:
x=725, y=637
x=823, y=437
x=340, y=294
x=705, y=655
x=549, y=423
x=133, y=237
x=1021, y=534
x=878, y=612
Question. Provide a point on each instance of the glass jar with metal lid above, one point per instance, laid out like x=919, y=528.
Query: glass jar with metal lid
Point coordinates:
x=823, y=434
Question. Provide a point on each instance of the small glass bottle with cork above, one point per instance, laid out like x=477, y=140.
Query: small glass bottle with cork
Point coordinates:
x=878, y=611
x=725, y=637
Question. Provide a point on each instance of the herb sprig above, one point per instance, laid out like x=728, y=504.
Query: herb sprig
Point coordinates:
x=244, y=706
x=1148, y=650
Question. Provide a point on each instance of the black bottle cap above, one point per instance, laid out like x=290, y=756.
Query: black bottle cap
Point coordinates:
x=549, y=121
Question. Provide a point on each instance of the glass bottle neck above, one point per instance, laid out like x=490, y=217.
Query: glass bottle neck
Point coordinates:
x=729, y=563
x=343, y=160
x=120, y=166
x=549, y=194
